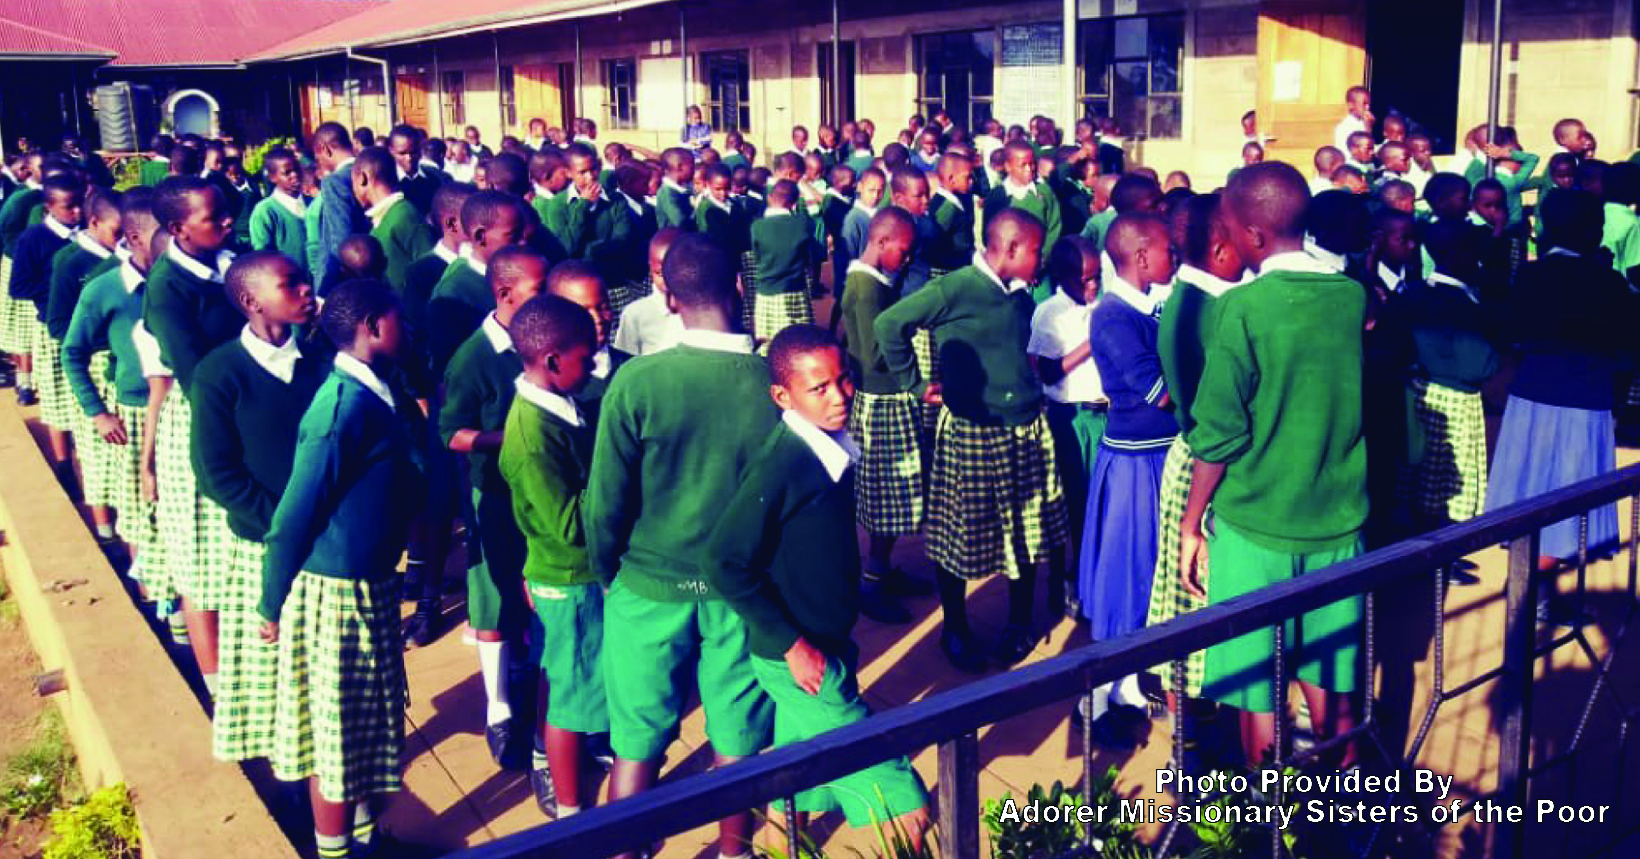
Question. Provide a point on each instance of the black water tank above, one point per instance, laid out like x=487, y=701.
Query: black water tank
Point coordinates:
x=126, y=116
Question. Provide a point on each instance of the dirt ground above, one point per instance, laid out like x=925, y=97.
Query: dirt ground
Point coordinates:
x=20, y=711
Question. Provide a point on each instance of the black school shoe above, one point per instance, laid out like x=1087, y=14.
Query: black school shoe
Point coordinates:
x=1015, y=643
x=546, y=796
x=27, y=397
x=897, y=582
x=963, y=653
x=499, y=738
x=876, y=604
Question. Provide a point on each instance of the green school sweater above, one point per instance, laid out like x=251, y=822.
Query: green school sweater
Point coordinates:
x=421, y=276
x=543, y=207
x=274, y=227
x=314, y=256
x=356, y=480
x=1185, y=330
x=1449, y=336
x=1095, y=229
x=955, y=246
x=728, y=228
x=600, y=233
x=15, y=217
x=1039, y=201
x=546, y=462
x=672, y=209
x=864, y=299
x=785, y=249
x=154, y=172
x=1513, y=182
x=71, y=268
x=663, y=468
x=980, y=333
x=1285, y=416
x=103, y=319
x=458, y=305
x=189, y=316
x=405, y=235
x=248, y=196
x=783, y=551
x=734, y=161
x=478, y=390
x=244, y=431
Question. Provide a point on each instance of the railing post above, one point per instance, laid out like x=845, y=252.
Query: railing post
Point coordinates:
x=959, y=797
x=1515, y=685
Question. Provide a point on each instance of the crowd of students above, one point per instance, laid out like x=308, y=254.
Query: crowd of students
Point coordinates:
x=601, y=369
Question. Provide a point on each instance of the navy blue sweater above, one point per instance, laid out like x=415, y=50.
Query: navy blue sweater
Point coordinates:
x=1124, y=343
x=1571, y=318
x=31, y=266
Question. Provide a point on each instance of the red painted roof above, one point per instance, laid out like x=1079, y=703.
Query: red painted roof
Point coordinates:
x=167, y=32
x=21, y=40
x=407, y=20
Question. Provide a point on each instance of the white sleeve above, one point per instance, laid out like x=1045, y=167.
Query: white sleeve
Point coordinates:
x=1045, y=341
x=628, y=338
x=148, y=355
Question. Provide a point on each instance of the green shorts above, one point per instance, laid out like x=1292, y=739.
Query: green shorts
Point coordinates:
x=649, y=649
x=495, y=583
x=874, y=795
x=1322, y=647
x=571, y=635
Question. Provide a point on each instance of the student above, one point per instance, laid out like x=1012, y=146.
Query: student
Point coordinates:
x=869, y=193
x=311, y=190
x=783, y=243
x=717, y=215
x=1569, y=320
x=460, y=163
x=733, y=159
x=696, y=134
x=952, y=209
x=395, y=222
x=1327, y=161
x=673, y=207
x=1280, y=458
x=63, y=196
x=661, y=468
x=242, y=194
x=1421, y=161
x=490, y=221
x=887, y=421
x=649, y=325
x=89, y=254
x=278, y=221
x=340, y=214
x=1350, y=180
x=1118, y=557
x=984, y=518
x=1572, y=137
x=1021, y=189
x=839, y=202
x=1616, y=186
x=361, y=257
x=329, y=600
x=1447, y=195
x=1076, y=403
x=861, y=156
x=1395, y=162
x=1562, y=174
x=1504, y=245
x=1399, y=195
x=545, y=458
x=1361, y=154
x=158, y=164
x=587, y=223
x=1514, y=169
x=1357, y=119
x=421, y=277
x=549, y=176
x=582, y=285
x=782, y=552
x=909, y=191
x=188, y=313
x=1251, y=153
x=478, y=390
x=1211, y=267
x=475, y=143
x=1100, y=210
x=249, y=396
x=1337, y=229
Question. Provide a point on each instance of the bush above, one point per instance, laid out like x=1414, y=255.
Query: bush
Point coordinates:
x=254, y=155
x=104, y=826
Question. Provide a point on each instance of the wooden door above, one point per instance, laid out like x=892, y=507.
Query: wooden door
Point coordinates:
x=536, y=93
x=1310, y=52
x=410, y=94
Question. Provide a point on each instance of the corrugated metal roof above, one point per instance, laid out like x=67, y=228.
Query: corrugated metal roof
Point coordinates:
x=172, y=32
x=409, y=20
x=19, y=40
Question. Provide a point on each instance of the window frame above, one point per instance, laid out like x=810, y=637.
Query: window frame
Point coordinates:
x=710, y=62
x=1092, y=102
x=611, y=87
x=507, y=89
x=928, y=104
x=453, y=99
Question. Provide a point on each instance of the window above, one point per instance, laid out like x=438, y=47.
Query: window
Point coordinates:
x=954, y=72
x=508, y=87
x=830, y=114
x=452, y=89
x=620, y=93
x=1131, y=72
x=728, y=97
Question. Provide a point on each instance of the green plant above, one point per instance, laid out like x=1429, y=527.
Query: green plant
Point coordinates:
x=1014, y=838
x=254, y=155
x=39, y=776
x=893, y=842
x=103, y=826
x=127, y=172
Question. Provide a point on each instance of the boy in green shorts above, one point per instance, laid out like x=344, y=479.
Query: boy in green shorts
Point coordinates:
x=394, y=220
x=491, y=221
x=546, y=453
x=478, y=391
x=662, y=468
x=1280, y=456
x=783, y=558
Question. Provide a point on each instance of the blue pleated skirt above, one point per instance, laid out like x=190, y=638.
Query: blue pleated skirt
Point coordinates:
x=1118, y=559
x=1542, y=448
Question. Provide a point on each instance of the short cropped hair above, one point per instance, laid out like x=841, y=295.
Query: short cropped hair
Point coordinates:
x=549, y=323
x=484, y=207
x=699, y=273
x=353, y=303
x=792, y=342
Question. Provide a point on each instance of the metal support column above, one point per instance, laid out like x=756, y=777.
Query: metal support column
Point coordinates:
x=575, y=79
x=1495, y=94
x=837, y=117
x=1068, y=78
x=1515, y=699
x=438, y=83
x=500, y=97
x=683, y=57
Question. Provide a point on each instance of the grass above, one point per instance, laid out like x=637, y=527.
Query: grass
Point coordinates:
x=41, y=775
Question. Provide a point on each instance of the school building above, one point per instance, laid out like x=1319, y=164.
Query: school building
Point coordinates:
x=1176, y=74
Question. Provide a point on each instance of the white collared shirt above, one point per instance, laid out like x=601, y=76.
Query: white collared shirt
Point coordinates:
x=1148, y=303
x=1295, y=261
x=496, y=333
x=472, y=262
x=122, y=252
x=1206, y=281
x=294, y=205
x=1017, y=192
x=361, y=371
x=346, y=162
x=634, y=205
x=721, y=204
x=147, y=349
x=377, y=212
x=1333, y=261
x=10, y=175
x=557, y=405
x=91, y=246
x=647, y=326
x=985, y=269
x=159, y=158
x=279, y=361
x=130, y=277
x=443, y=252
x=460, y=172
x=1347, y=126
x=1058, y=326
x=602, y=363
x=58, y=228
x=1396, y=281
x=876, y=273
x=428, y=162
x=833, y=192
x=1436, y=278
x=1319, y=184
x=669, y=182
x=175, y=254
x=716, y=341
x=542, y=191
x=835, y=450
x=948, y=194
x=775, y=211
x=871, y=211
x=1564, y=252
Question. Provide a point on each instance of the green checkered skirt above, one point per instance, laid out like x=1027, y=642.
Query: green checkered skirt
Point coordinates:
x=748, y=291
x=339, y=710
x=928, y=367
x=888, y=482
x=193, y=528
x=995, y=503
x=99, y=460
x=1445, y=473
x=247, y=668
x=1168, y=598
x=58, y=409
x=13, y=312
x=776, y=313
x=135, y=516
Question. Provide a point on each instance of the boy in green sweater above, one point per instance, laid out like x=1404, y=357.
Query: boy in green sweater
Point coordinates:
x=478, y=390
x=329, y=600
x=546, y=455
x=491, y=221
x=662, y=470
x=423, y=274
x=672, y=204
x=588, y=224
x=783, y=242
x=279, y=220
x=783, y=558
x=549, y=176
x=1021, y=189
x=1279, y=455
x=394, y=220
x=249, y=396
x=582, y=285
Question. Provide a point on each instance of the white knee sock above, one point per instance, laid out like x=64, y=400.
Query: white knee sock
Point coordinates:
x=1126, y=691
x=492, y=663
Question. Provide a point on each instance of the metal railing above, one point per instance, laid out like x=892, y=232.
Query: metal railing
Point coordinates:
x=952, y=719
